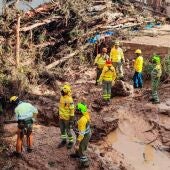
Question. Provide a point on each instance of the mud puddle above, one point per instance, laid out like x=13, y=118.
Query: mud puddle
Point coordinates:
x=139, y=155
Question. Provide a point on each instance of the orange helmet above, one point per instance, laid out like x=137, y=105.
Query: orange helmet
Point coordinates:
x=108, y=62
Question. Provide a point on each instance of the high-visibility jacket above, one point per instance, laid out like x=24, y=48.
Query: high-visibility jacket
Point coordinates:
x=66, y=107
x=100, y=60
x=138, y=65
x=156, y=72
x=108, y=74
x=116, y=55
x=25, y=111
x=83, y=126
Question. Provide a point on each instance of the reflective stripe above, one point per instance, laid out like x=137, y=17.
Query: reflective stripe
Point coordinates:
x=63, y=136
x=83, y=158
x=86, y=131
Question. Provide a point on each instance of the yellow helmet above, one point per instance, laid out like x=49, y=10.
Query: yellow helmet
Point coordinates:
x=117, y=43
x=66, y=88
x=13, y=98
x=138, y=51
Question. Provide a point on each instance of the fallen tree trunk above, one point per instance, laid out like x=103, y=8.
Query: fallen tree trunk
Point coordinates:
x=54, y=64
x=45, y=21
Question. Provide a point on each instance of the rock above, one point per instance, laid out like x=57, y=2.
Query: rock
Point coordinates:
x=168, y=102
x=164, y=109
x=108, y=119
x=122, y=88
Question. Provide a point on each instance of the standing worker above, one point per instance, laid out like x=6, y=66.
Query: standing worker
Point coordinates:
x=84, y=134
x=100, y=61
x=155, y=78
x=117, y=58
x=107, y=77
x=66, y=116
x=25, y=114
x=138, y=66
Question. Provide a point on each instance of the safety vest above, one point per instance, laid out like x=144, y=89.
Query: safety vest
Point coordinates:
x=83, y=126
x=66, y=107
x=116, y=55
x=108, y=73
x=138, y=65
x=156, y=72
x=101, y=60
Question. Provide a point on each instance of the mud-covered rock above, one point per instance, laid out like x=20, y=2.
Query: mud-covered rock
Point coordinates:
x=102, y=130
x=164, y=109
x=122, y=88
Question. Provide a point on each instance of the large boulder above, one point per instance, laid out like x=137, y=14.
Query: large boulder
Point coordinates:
x=122, y=88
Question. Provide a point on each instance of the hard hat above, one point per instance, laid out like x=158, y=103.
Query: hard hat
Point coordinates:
x=138, y=51
x=108, y=62
x=82, y=107
x=156, y=59
x=13, y=98
x=104, y=50
x=66, y=88
x=117, y=43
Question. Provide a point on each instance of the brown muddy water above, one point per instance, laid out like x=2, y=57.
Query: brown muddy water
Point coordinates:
x=139, y=155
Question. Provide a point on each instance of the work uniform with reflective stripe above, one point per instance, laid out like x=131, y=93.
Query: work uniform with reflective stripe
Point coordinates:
x=137, y=78
x=100, y=60
x=117, y=56
x=107, y=77
x=24, y=114
x=66, y=114
x=84, y=135
x=155, y=79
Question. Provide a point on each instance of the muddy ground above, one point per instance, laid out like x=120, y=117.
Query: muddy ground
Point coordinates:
x=128, y=134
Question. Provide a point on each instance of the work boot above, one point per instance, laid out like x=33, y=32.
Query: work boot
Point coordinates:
x=74, y=155
x=29, y=150
x=151, y=99
x=16, y=154
x=69, y=145
x=62, y=144
x=156, y=102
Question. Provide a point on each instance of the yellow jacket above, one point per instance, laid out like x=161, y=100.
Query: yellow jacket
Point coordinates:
x=116, y=55
x=66, y=107
x=83, y=126
x=108, y=74
x=138, y=64
x=100, y=60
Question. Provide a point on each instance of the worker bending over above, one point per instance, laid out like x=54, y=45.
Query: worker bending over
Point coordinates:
x=107, y=77
x=25, y=115
x=138, y=66
x=155, y=78
x=66, y=116
x=84, y=134
x=100, y=62
x=117, y=58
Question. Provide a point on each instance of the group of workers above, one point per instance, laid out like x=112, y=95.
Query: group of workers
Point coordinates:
x=109, y=68
x=69, y=117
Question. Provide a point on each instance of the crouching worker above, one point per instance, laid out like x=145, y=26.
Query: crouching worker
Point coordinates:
x=66, y=116
x=107, y=77
x=84, y=134
x=155, y=78
x=25, y=116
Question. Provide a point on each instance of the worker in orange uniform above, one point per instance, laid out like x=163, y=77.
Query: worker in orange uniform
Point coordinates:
x=25, y=116
x=138, y=66
x=84, y=134
x=117, y=58
x=100, y=61
x=66, y=116
x=107, y=77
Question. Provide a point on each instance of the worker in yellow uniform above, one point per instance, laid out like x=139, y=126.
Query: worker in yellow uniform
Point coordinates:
x=107, y=77
x=84, y=134
x=25, y=116
x=117, y=58
x=66, y=116
x=138, y=66
x=100, y=62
